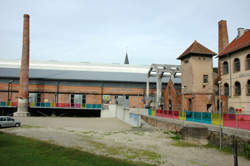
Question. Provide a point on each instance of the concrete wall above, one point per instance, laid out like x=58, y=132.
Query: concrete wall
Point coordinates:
x=128, y=116
x=109, y=111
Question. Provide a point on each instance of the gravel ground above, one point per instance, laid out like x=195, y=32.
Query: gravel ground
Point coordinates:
x=111, y=137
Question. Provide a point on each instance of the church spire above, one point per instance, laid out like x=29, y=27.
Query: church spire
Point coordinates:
x=126, y=59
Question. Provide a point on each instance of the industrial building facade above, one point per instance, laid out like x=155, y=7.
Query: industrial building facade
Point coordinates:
x=234, y=62
x=78, y=85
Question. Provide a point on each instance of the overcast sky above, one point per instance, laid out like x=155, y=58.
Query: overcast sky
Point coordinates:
x=100, y=31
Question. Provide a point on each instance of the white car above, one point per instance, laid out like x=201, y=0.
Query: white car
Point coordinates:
x=7, y=121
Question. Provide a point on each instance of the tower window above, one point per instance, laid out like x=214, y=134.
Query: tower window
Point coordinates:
x=237, y=89
x=236, y=65
x=248, y=62
x=248, y=87
x=205, y=78
x=225, y=67
x=226, y=89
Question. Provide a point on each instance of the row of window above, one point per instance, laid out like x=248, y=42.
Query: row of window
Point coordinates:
x=236, y=65
x=237, y=89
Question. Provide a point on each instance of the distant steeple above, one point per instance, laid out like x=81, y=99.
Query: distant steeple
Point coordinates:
x=126, y=59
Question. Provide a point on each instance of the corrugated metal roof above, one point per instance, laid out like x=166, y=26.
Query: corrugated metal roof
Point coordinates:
x=81, y=75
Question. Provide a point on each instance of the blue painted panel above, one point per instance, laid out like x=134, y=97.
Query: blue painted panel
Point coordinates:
x=150, y=112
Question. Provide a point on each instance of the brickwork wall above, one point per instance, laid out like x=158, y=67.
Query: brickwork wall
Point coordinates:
x=171, y=94
x=93, y=94
x=199, y=102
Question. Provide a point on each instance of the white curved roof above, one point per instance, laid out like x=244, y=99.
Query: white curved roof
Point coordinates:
x=77, y=66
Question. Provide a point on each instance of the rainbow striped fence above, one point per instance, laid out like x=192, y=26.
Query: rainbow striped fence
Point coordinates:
x=241, y=121
x=54, y=105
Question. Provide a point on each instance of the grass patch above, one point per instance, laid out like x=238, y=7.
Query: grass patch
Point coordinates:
x=184, y=144
x=197, y=163
x=176, y=137
x=28, y=126
x=126, y=152
x=166, y=132
x=223, y=149
x=229, y=150
x=17, y=150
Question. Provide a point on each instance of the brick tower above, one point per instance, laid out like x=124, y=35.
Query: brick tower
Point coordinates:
x=22, y=109
x=197, y=78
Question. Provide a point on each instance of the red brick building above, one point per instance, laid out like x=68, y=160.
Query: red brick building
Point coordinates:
x=80, y=85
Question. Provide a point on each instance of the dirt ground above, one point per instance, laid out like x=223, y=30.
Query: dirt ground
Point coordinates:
x=112, y=137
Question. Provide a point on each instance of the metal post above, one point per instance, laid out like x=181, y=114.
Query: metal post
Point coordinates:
x=235, y=151
x=147, y=92
x=219, y=82
x=236, y=119
x=8, y=91
x=158, y=91
x=138, y=103
x=182, y=103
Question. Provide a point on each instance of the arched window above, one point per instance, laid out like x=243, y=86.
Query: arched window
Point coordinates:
x=226, y=89
x=236, y=65
x=248, y=87
x=225, y=67
x=237, y=89
x=248, y=62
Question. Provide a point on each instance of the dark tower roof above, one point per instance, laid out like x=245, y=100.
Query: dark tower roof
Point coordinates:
x=126, y=59
x=198, y=49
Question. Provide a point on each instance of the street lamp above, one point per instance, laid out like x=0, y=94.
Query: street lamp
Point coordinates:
x=183, y=103
x=9, y=89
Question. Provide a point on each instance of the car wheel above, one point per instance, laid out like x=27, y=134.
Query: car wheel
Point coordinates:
x=17, y=125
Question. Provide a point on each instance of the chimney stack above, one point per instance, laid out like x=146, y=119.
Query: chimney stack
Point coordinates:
x=222, y=41
x=22, y=109
x=241, y=31
x=223, y=35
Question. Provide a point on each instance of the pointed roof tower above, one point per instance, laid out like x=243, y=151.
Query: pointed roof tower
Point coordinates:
x=196, y=49
x=126, y=59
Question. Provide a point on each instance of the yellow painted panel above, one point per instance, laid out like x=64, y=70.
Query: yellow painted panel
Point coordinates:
x=216, y=119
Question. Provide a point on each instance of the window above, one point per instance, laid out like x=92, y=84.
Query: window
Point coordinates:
x=83, y=99
x=248, y=62
x=72, y=100
x=225, y=68
x=237, y=89
x=248, y=87
x=170, y=105
x=236, y=65
x=205, y=78
x=226, y=89
x=106, y=99
x=189, y=104
x=38, y=99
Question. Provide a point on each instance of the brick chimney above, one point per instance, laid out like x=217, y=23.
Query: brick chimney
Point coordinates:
x=222, y=41
x=223, y=35
x=22, y=109
x=241, y=31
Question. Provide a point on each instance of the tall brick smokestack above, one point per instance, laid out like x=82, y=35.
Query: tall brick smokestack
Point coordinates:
x=223, y=35
x=24, y=73
x=222, y=41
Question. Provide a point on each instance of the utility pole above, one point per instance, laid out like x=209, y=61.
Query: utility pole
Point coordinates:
x=183, y=103
x=219, y=82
